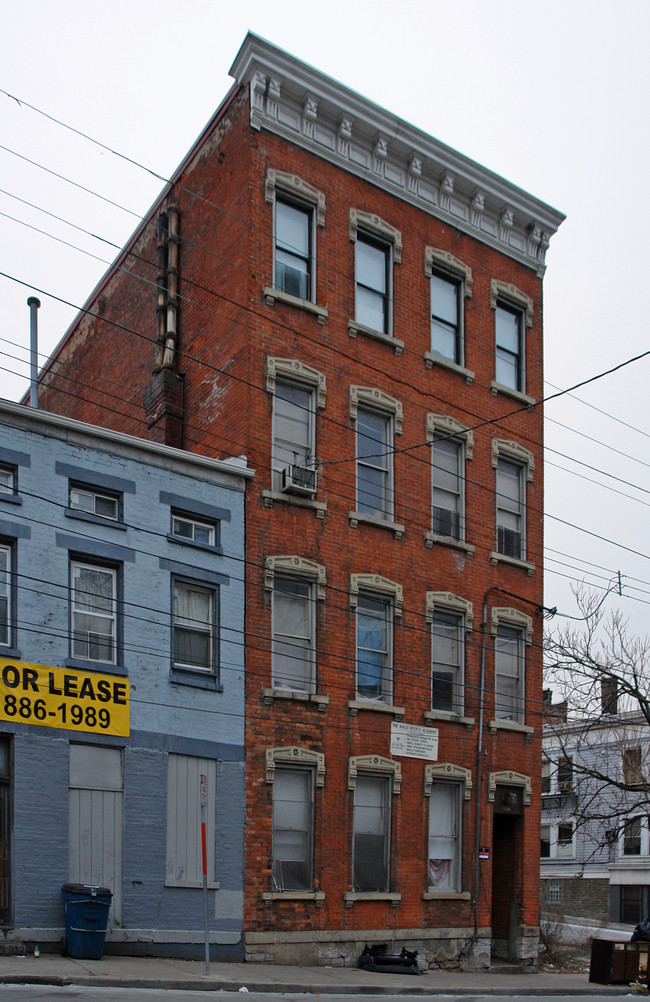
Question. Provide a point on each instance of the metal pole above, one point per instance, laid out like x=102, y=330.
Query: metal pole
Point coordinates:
x=33, y=304
x=204, y=847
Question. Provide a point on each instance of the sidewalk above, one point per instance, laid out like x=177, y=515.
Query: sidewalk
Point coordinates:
x=189, y=975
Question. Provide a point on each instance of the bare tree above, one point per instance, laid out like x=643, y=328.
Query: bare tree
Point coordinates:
x=601, y=740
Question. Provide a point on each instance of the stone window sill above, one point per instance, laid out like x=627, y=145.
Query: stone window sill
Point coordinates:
x=198, y=679
x=11, y=498
x=318, y=507
x=432, y=537
x=501, y=558
x=98, y=666
x=446, y=895
x=316, y=896
x=356, y=518
x=86, y=516
x=271, y=296
x=354, y=705
x=509, y=391
x=296, y=695
x=350, y=897
x=511, y=725
x=354, y=328
x=451, y=718
x=178, y=541
x=431, y=359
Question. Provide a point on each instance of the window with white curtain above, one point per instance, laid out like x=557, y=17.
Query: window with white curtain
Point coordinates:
x=93, y=612
x=194, y=627
x=443, y=864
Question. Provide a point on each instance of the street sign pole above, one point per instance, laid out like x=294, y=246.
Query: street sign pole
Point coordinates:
x=204, y=847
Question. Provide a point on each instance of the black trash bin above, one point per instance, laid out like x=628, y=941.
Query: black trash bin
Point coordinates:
x=86, y=909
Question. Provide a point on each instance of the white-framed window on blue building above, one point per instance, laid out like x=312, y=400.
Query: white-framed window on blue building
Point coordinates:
x=94, y=611
x=6, y=598
x=194, y=626
x=95, y=501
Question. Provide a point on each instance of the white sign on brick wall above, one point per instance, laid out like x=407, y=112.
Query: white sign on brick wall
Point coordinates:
x=412, y=741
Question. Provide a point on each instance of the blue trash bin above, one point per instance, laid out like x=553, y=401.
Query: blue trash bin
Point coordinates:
x=86, y=909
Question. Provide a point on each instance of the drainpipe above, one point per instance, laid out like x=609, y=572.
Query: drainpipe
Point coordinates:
x=33, y=304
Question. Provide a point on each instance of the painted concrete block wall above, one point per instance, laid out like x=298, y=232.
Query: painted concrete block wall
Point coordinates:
x=167, y=715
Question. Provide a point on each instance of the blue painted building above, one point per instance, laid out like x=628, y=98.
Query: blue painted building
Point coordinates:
x=121, y=685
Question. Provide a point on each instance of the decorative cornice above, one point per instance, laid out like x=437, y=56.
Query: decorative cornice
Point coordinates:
x=442, y=771
x=370, y=396
x=308, y=108
x=369, y=222
x=295, y=566
x=509, y=778
x=434, y=257
x=442, y=424
x=446, y=600
x=514, y=451
x=507, y=616
x=295, y=185
x=292, y=368
x=374, y=763
x=379, y=584
x=294, y=755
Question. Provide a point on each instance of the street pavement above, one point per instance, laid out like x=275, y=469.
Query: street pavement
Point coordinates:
x=190, y=975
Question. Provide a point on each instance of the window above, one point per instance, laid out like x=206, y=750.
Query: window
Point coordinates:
x=294, y=645
x=194, y=627
x=294, y=467
x=91, y=501
x=554, y=892
x=374, y=647
x=557, y=840
x=632, y=904
x=8, y=480
x=443, y=865
x=546, y=776
x=509, y=672
x=565, y=775
x=192, y=530
x=446, y=327
x=632, y=837
x=183, y=851
x=447, y=464
x=447, y=645
x=373, y=283
x=510, y=510
x=374, y=464
x=371, y=845
x=6, y=625
x=632, y=766
x=509, y=347
x=293, y=248
x=293, y=824
x=94, y=612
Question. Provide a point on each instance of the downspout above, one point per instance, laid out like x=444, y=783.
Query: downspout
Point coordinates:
x=34, y=305
x=172, y=287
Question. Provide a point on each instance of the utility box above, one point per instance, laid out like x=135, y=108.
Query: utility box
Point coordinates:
x=617, y=962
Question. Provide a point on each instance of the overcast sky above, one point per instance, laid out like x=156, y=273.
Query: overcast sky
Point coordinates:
x=552, y=96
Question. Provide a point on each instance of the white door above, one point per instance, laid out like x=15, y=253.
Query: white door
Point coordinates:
x=96, y=821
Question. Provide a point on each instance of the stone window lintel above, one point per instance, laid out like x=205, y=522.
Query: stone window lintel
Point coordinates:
x=447, y=601
x=374, y=763
x=294, y=755
x=447, y=771
x=370, y=396
x=511, y=294
x=294, y=370
x=449, y=426
x=512, y=450
x=294, y=185
x=509, y=778
x=295, y=566
x=376, y=583
x=435, y=257
x=507, y=616
x=378, y=227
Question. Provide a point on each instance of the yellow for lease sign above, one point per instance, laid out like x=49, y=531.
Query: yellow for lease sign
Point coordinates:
x=64, y=698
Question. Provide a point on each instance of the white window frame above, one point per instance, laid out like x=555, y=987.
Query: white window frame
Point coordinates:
x=364, y=600
x=301, y=457
x=511, y=510
x=515, y=620
x=508, y=298
x=200, y=627
x=559, y=848
x=453, y=884
x=508, y=633
x=6, y=595
x=280, y=832
x=446, y=444
x=94, y=496
x=367, y=228
x=449, y=615
x=8, y=479
x=513, y=455
x=194, y=526
x=309, y=660
x=110, y=618
x=443, y=265
x=644, y=837
x=292, y=190
x=383, y=462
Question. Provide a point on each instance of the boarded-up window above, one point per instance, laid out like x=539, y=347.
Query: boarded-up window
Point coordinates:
x=184, y=854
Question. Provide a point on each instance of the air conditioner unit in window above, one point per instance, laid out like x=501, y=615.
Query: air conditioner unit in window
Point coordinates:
x=299, y=480
x=509, y=542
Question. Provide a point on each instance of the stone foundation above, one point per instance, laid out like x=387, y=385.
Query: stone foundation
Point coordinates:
x=438, y=949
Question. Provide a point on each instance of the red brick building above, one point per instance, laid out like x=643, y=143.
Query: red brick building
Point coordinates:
x=358, y=309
